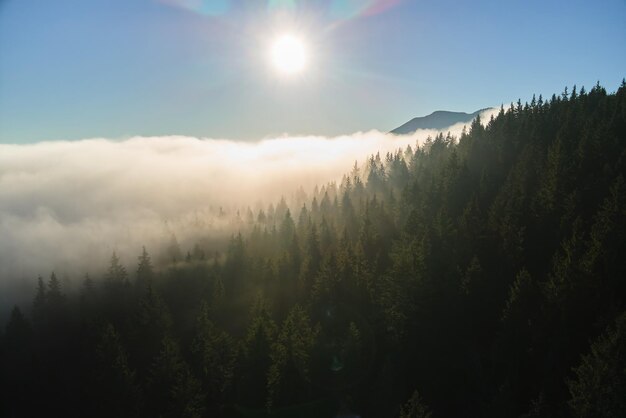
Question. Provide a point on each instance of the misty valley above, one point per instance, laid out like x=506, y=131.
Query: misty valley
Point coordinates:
x=478, y=271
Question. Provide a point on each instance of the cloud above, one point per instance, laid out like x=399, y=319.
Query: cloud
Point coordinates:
x=65, y=206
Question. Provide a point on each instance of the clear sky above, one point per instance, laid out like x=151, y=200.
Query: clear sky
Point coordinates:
x=72, y=69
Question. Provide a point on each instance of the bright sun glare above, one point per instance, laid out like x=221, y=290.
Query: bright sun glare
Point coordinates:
x=288, y=54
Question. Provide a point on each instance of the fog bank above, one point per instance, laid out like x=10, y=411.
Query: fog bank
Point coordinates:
x=65, y=206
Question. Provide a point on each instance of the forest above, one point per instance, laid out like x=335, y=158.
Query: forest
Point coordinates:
x=480, y=276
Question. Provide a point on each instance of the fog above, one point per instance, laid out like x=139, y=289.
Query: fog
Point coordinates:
x=66, y=206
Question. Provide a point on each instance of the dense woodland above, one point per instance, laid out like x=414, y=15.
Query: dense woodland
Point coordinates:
x=483, y=275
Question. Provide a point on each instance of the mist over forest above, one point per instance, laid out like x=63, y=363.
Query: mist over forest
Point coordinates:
x=66, y=206
x=470, y=272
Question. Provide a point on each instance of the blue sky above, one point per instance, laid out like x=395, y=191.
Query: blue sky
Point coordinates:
x=72, y=69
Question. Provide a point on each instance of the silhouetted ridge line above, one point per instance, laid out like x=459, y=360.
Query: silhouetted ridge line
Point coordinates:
x=437, y=120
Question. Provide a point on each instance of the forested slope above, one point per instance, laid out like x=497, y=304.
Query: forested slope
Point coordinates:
x=476, y=276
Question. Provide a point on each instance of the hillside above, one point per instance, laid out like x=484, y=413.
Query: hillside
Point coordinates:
x=437, y=120
x=472, y=276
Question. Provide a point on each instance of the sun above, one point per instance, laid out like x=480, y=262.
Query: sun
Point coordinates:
x=288, y=54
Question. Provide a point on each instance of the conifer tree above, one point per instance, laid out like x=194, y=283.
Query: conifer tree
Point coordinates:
x=172, y=388
x=145, y=272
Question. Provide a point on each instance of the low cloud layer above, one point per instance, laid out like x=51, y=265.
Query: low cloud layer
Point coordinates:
x=65, y=206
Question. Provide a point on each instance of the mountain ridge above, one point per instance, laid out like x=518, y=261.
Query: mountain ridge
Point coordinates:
x=438, y=119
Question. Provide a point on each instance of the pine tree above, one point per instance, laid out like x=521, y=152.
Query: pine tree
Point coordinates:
x=115, y=391
x=54, y=297
x=39, y=303
x=289, y=373
x=116, y=275
x=145, y=271
x=172, y=388
x=216, y=353
x=16, y=366
x=151, y=323
x=600, y=384
x=255, y=359
x=415, y=408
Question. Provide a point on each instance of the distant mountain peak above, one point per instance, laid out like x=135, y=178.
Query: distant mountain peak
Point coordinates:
x=439, y=119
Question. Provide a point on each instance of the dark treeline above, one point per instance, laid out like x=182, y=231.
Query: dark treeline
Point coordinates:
x=476, y=276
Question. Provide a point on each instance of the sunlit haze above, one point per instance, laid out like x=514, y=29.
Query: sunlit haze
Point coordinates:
x=138, y=191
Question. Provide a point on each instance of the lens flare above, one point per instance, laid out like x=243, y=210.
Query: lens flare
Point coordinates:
x=203, y=7
x=348, y=9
